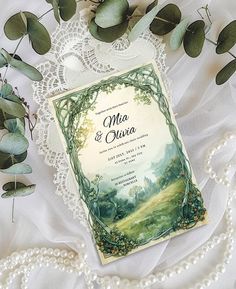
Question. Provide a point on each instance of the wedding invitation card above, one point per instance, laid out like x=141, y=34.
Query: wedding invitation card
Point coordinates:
x=129, y=162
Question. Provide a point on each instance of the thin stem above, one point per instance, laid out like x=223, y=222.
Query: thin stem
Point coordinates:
x=13, y=204
x=18, y=44
x=207, y=11
x=40, y=17
x=212, y=42
x=13, y=211
x=164, y=20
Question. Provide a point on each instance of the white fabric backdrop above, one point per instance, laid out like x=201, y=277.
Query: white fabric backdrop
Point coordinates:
x=205, y=111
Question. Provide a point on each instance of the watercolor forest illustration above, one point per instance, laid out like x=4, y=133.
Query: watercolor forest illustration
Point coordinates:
x=148, y=210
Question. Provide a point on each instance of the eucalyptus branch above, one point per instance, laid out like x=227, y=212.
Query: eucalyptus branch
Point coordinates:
x=15, y=109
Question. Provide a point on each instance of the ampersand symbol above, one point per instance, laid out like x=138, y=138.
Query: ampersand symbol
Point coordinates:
x=98, y=136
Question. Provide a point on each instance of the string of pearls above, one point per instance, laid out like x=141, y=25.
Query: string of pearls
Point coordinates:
x=24, y=262
x=224, y=179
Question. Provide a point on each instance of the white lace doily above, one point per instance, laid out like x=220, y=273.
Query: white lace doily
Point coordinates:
x=77, y=59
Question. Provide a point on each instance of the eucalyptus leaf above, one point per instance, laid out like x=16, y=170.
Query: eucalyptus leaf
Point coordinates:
x=13, y=185
x=3, y=61
x=30, y=15
x=55, y=7
x=12, y=108
x=194, y=38
x=143, y=23
x=56, y=11
x=227, y=38
x=178, y=33
x=152, y=5
x=18, y=169
x=15, y=125
x=166, y=20
x=111, y=13
x=20, y=192
x=4, y=116
x=6, y=89
x=67, y=9
x=13, y=97
x=39, y=36
x=7, y=160
x=226, y=72
x=13, y=143
x=108, y=34
x=15, y=26
x=6, y=55
x=26, y=69
x=2, y=119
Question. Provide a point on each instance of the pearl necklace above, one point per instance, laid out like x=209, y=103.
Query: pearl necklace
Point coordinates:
x=24, y=262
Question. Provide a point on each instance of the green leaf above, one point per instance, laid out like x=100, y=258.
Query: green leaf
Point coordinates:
x=13, y=97
x=38, y=36
x=55, y=7
x=166, y=19
x=226, y=72
x=12, y=108
x=67, y=9
x=26, y=69
x=111, y=12
x=7, y=160
x=21, y=192
x=15, y=26
x=30, y=15
x=14, y=125
x=3, y=61
x=56, y=11
x=143, y=23
x=2, y=119
x=6, y=55
x=152, y=5
x=178, y=33
x=22, y=66
x=194, y=38
x=227, y=38
x=108, y=34
x=13, y=143
x=12, y=185
x=6, y=89
x=17, y=169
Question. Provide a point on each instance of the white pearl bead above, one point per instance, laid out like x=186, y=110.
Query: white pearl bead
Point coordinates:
x=193, y=260
x=178, y=269
x=220, y=268
x=169, y=273
x=57, y=252
x=206, y=282
x=63, y=253
x=115, y=280
x=71, y=255
x=160, y=277
x=214, y=276
x=198, y=286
